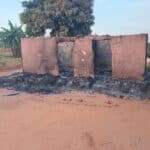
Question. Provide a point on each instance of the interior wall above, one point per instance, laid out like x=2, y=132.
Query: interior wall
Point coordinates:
x=65, y=50
x=103, y=53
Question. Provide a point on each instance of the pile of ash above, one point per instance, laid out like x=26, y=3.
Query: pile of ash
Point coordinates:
x=102, y=83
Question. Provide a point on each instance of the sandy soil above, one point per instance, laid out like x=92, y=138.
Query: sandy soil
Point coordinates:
x=72, y=121
x=7, y=72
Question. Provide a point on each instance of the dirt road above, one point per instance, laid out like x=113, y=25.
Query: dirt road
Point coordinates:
x=73, y=121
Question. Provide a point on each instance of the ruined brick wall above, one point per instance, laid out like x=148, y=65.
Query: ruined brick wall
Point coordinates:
x=49, y=55
x=83, y=58
x=39, y=55
x=103, y=54
x=125, y=55
x=65, y=50
x=101, y=47
x=129, y=56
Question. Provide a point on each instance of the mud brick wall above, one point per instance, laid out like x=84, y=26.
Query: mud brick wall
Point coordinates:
x=40, y=55
x=101, y=47
x=83, y=57
x=65, y=50
x=103, y=54
x=125, y=55
x=129, y=56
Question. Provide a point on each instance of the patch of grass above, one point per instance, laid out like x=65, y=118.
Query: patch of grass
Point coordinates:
x=2, y=64
x=6, y=55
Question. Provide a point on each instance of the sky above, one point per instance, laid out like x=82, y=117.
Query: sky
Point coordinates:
x=113, y=17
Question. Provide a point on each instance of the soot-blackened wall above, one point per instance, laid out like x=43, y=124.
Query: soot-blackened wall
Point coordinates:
x=125, y=55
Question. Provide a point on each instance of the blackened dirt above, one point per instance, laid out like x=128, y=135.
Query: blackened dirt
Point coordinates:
x=102, y=83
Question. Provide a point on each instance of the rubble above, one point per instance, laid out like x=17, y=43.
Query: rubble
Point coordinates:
x=102, y=83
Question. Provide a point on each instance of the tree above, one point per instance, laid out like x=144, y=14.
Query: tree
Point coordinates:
x=63, y=17
x=11, y=38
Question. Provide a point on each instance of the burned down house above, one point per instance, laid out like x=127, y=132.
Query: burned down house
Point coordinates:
x=125, y=56
x=112, y=65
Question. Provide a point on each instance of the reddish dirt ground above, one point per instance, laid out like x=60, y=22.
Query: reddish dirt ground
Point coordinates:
x=8, y=62
x=72, y=121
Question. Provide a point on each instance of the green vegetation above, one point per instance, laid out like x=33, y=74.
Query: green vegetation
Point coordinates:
x=148, y=54
x=6, y=55
x=11, y=38
x=63, y=17
x=2, y=64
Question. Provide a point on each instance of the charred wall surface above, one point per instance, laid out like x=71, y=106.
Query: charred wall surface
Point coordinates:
x=103, y=54
x=124, y=55
x=83, y=58
x=65, y=51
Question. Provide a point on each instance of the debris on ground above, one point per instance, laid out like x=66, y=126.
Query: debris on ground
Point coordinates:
x=12, y=94
x=102, y=83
